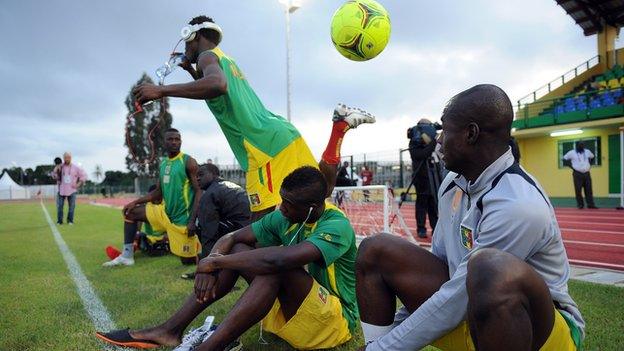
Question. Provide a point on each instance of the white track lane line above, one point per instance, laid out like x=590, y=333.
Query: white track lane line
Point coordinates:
x=92, y=304
x=591, y=243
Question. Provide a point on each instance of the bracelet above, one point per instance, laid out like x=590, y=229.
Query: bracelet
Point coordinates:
x=215, y=254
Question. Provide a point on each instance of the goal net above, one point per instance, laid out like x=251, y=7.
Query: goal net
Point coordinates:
x=371, y=210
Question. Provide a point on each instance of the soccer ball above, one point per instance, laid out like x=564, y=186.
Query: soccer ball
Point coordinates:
x=360, y=29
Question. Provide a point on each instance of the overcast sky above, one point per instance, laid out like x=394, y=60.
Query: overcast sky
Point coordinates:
x=67, y=66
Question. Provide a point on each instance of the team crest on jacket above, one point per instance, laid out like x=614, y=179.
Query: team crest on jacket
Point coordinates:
x=254, y=199
x=466, y=237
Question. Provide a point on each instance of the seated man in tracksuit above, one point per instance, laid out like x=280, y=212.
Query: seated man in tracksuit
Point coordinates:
x=223, y=208
x=496, y=278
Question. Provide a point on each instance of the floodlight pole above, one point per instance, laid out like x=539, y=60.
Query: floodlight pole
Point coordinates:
x=290, y=6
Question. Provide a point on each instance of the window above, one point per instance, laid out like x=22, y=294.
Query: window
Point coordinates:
x=592, y=144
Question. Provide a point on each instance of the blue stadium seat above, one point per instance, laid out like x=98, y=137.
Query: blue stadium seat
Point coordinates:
x=581, y=106
x=617, y=93
x=595, y=103
x=569, y=108
x=559, y=109
x=607, y=99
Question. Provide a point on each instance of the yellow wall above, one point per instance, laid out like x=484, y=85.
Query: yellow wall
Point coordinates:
x=606, y=43
x=539, y=157
x=618, y=56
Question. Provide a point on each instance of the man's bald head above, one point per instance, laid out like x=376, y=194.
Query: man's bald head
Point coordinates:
x=486, y=105
x=67, y=157
x=476, y=127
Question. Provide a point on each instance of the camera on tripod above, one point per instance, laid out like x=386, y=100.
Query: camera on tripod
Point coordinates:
x=423, y=132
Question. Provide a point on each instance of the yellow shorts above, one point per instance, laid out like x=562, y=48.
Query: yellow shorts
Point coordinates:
x=179, y=242
x=459, y=339
x=318, y=323
x=265, y=180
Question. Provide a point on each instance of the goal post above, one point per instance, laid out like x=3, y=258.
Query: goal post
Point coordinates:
x=371, y=209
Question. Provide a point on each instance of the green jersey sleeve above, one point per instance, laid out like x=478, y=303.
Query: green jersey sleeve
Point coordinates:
x=269, y=229
x=333, y=237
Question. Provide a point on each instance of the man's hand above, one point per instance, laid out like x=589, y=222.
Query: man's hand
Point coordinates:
x=185, y=63
x=207, y=264
x=147, y=92
x=128, y=207
x=191, y=229
x=205, y=286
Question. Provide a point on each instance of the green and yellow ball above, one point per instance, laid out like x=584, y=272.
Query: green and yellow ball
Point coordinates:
x=360, y=29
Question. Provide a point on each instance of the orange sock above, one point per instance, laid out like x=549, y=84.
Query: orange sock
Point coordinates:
x=331, y=155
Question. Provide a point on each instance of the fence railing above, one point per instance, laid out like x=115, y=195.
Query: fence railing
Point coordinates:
x=559, y=81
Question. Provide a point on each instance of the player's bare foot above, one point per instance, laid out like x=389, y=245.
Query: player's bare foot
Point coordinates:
x=159, y=335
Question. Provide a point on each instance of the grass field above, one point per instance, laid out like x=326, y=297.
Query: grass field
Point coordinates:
x=41, y=310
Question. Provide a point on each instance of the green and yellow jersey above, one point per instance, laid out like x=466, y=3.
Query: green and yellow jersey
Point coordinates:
x=333, y=235
x=176, y=189
x=254, y=133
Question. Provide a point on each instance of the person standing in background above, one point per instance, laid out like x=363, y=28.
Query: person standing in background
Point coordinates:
x=580, y=159
x=367, y=179
x=70, y=177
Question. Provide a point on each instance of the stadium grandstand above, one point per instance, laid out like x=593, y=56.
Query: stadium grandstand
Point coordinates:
x=584, y=104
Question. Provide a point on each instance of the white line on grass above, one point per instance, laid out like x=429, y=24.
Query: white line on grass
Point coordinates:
x=91, y=302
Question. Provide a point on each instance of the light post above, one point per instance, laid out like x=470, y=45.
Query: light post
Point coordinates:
x=290, y=6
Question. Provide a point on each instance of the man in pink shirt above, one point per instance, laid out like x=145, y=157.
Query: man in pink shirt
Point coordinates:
x=69, y=178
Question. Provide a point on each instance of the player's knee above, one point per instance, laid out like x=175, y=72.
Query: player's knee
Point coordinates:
x=492, y=284
x=486, y=268
x=133, y=214
x=369, y=251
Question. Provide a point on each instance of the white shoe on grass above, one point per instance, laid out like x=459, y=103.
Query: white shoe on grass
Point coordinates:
x=353, y=116
x=119, y=261
x=195, y=337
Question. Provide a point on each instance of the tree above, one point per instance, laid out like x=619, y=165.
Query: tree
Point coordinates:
x=138, y=130
x=28, y=176
x=98, y=173
x=118, y=178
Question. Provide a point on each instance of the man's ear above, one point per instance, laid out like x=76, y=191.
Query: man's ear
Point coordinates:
x=472, y=133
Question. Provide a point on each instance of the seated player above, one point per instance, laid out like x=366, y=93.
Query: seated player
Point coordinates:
x=223, y=208
x=496, y=278
x=176, y=187
x=146, y=239
x=310, y=309
x=267, y=146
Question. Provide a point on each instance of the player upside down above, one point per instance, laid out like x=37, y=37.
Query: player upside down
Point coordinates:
x=266, y=145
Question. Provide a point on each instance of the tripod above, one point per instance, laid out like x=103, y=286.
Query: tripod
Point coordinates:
x=434, y=175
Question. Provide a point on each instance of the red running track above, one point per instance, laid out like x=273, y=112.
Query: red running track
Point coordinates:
x=592, y=238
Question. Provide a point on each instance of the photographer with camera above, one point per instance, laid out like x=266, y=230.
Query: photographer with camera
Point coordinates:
x=426, y=171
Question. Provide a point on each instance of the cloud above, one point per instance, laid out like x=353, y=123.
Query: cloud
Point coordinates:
x=64, y=80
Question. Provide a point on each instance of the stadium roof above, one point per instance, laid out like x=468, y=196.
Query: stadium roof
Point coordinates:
x=592, y=15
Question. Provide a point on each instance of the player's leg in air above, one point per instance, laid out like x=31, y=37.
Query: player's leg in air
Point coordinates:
x=298, y=154
x=344, y=119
